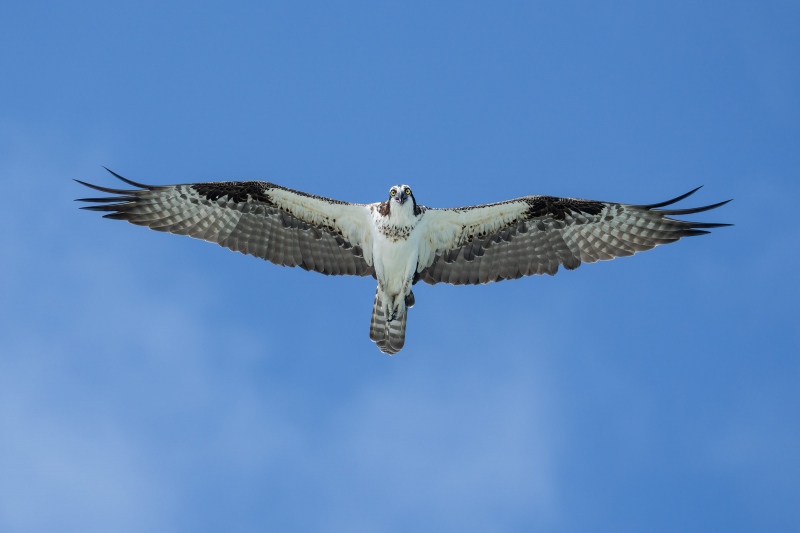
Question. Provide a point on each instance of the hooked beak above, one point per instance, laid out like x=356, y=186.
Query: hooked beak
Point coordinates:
x=400, y=197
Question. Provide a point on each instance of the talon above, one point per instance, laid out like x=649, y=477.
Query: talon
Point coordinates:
x=410, y=300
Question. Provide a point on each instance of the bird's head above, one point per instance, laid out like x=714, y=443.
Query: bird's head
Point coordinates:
x=400, y=198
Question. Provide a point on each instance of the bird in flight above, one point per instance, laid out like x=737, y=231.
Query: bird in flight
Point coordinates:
x=399, y=242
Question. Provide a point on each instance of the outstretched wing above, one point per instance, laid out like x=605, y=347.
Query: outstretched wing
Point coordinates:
x=286, y=227
x=536, y=234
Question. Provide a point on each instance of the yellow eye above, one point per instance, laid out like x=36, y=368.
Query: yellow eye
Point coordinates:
x=392, y=192
x=408, y=192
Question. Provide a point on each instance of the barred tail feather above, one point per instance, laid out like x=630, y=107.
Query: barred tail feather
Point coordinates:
x=389, y=336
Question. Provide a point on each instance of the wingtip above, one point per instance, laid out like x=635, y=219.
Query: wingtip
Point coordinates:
x=105, y=189
x=690, y=211
x=711, y=225
x=674, y=200
x=111, y=171
x=695, y=233
x=126, y=180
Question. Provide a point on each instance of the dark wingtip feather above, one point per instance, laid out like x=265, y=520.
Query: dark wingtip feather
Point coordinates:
x=107, y=199
x=107, y=207
x=129, y=182
x=694, y=232
x=709, y=225
x=674, y=200
x=694, y=209
x=105, y=189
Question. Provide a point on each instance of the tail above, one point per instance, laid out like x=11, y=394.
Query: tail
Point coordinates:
x=389, y=336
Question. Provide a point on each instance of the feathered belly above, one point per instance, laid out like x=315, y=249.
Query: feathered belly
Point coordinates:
x=394, y=262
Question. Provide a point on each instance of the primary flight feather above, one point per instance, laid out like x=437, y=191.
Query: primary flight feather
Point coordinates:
x=397, y=241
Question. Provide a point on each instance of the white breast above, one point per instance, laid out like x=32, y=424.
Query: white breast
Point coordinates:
x=394, y=260
x=395, y=249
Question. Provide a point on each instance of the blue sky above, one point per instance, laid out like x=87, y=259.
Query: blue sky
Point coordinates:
x=150, y=382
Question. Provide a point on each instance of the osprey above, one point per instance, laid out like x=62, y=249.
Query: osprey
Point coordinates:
x=397, y=241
